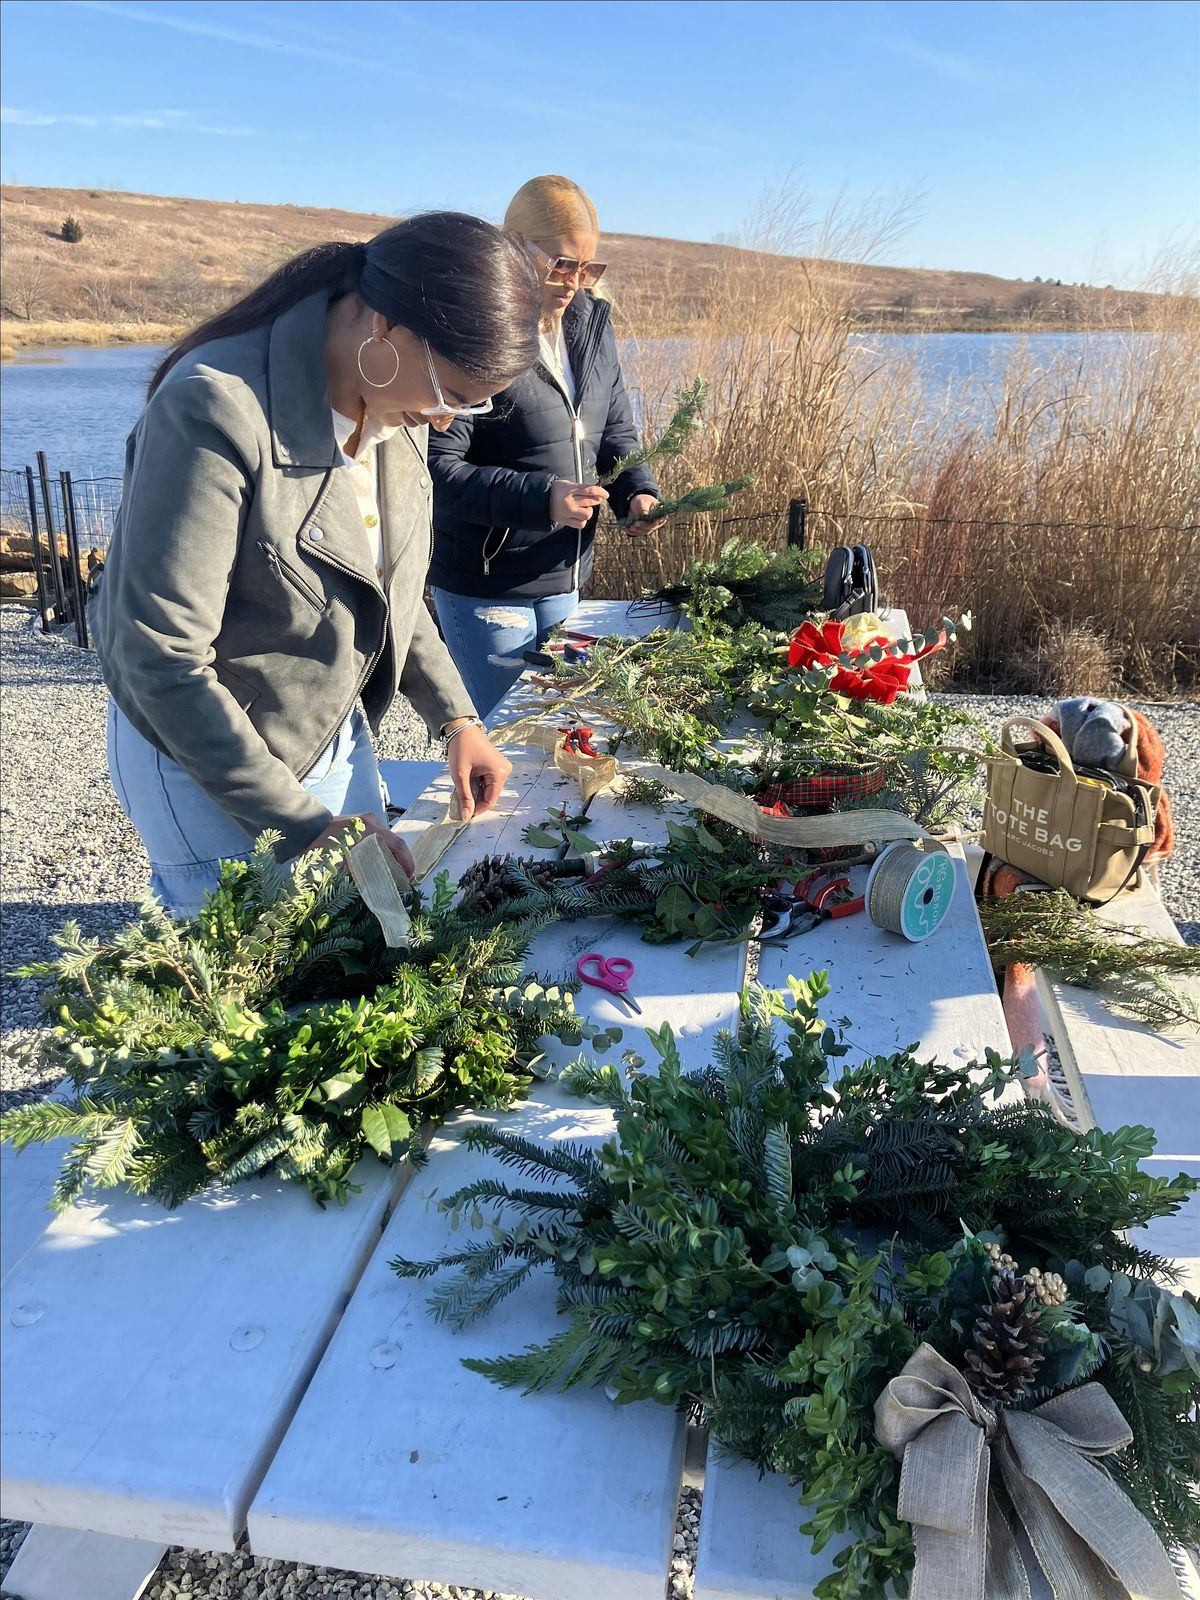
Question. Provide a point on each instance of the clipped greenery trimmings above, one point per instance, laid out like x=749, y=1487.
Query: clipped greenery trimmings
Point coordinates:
x=766, y=1243
x=1131, y=969
x=676, y=695
x=276, y=1032
x=705, y=884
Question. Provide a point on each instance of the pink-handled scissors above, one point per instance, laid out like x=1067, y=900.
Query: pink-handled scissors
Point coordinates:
x=611, y=973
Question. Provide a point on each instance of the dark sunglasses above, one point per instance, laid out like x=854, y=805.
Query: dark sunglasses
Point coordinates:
x=562, y=269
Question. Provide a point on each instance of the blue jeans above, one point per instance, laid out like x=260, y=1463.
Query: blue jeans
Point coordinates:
x=185, y=831
x=487, y=638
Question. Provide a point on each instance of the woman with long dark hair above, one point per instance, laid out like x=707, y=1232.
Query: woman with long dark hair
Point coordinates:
x=262, y=601
x=516, y=494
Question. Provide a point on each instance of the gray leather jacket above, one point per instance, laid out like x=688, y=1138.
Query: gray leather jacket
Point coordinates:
x=241, y=616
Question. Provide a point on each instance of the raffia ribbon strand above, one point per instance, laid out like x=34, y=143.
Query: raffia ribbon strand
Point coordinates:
x=1090, y=1541
x=594, y=774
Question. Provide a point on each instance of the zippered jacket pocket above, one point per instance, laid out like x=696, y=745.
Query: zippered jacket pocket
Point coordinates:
x=492, y=547
x=281, y=570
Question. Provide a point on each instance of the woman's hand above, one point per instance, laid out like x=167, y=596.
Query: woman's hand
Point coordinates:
x=637, y=518
x=572, y=504
x=478, y=770
x=373, y=824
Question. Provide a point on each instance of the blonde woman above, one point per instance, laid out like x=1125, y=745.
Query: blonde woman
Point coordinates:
x=515, y=493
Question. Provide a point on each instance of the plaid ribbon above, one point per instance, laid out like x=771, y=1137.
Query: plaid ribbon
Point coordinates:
x=823, y=789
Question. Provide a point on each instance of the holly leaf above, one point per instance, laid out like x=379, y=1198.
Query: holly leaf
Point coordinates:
x=541, y=838
x=580, y=841
x=674, y=909
x=387, y=1130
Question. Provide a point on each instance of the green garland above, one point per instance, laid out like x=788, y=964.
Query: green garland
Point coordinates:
x=749, y=583
x=766, y=1254
x=276, y=1032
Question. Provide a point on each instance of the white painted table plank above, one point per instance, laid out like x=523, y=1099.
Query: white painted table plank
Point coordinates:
x=199, y=1326
x=1127, y=1071
x=939, y=994
x=26, y=1183
x=402, y=1462
x=1121, y=1071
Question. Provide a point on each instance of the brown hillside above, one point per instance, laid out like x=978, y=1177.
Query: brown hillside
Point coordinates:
x=148, y=263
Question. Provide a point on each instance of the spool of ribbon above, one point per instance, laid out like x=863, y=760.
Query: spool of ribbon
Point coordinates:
x=1089, y=1540
x=910, y=890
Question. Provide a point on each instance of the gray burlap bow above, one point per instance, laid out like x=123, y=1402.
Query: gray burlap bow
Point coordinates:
x=1089, y=1539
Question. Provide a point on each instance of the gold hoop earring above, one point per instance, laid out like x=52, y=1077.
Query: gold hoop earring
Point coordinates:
x=370, y=381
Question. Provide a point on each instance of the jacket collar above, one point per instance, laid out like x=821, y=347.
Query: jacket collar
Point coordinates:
x=299, y=410
x=584, y=322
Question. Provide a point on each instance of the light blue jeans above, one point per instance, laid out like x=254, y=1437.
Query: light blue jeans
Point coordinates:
x=487, y=638
x=185, y=831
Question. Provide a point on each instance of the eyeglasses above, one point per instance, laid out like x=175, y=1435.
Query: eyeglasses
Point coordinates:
x=443, y=408
x=561, y=269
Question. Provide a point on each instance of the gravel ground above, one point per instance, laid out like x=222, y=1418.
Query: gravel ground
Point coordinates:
x=69, y=852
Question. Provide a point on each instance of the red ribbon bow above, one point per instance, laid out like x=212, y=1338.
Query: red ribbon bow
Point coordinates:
x=872, y=680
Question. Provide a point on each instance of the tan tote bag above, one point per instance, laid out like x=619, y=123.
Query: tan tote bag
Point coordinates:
x=1082, y=829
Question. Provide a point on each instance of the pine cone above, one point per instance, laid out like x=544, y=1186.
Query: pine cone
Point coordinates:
x=489, y=882
x=1003, y=1366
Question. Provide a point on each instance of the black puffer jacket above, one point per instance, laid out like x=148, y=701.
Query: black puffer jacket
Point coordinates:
x=492, y=475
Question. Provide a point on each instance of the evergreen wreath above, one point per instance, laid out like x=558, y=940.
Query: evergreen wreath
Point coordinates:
x=277, y=1033
x=765, y=1248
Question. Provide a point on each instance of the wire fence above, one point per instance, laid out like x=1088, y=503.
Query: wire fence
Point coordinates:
x=55, y=531
x=799, y=514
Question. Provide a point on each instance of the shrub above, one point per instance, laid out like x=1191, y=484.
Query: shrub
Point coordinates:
x=1065, y=658
x=72, y=230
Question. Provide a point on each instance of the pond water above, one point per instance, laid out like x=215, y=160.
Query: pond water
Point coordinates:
x=79, y=405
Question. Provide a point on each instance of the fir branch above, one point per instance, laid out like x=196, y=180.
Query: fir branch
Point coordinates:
x=687, y=418
x=1131, y=969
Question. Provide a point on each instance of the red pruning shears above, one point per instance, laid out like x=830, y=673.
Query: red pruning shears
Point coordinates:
x=820, y=897
x=578, y=741
x=573, y=649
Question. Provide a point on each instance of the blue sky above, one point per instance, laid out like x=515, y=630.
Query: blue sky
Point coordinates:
x=1061, y=140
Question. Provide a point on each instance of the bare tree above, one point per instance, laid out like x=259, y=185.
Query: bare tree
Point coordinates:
x=98, y=292
x=186, y=293
x=134, y=300
x=25, y=286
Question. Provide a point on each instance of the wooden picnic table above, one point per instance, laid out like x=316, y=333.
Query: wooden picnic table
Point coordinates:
x=249, y=1364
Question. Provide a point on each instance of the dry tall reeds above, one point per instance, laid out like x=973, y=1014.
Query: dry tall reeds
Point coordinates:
x=1097, y=447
